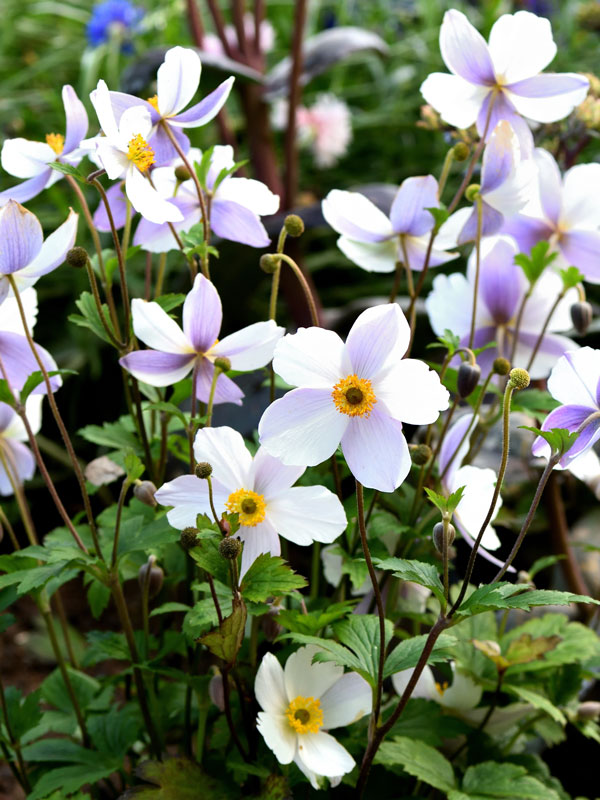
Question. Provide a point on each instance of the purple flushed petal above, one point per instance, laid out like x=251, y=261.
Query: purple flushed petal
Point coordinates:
x=550, y=349
x=377, y=335
x=504, y=109
x=157, y=238
x=226, y=390
x=549, y=85
x=156, y=368
x=21, y=464
x=24, y=191
x=481, y=551
x=7, y=414
x=376, y=451
x=163, y=148
x=416, y=251
x=408, y=213
x=202, y=314
x=120, y=102
x=550, y=184
x=500, y=286
x=271, y=477
x=237, y=223
x=449, y=447
x=77, y=120
x=20, y=236
x=464, y=50
x=498, y=161
x=118, y=208
x=491, y=223
x=526, y=231
x=19, y=362
x=206, y=109
x=569, y=417
x=582, y=250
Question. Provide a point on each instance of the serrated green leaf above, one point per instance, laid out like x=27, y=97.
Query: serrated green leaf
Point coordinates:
x=506, y=781
x=226, y=641
x=34, y=380
x=536, y=400
x=536, y=262
x=269, y=576
x=440, y=215
x=537, y=701
x=176, y=779
x=420, y=760
x=70, y=779
x=98, y=596
x=416, y=571
x=407, y=653
x=90, y=318
x=571, y=276
x=360, y=632
x=111, y=434
x=508, y=595
x=6, y=394
x=68, y=169
x=207, y=555
x=202, y=167
x=24, y=713
x=560, y=440
x=311, y=623
x=115, y=731
x=133, y=466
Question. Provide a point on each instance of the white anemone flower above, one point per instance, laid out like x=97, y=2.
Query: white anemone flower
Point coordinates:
x=124, y=152
x=17, y=463
x=300, y=703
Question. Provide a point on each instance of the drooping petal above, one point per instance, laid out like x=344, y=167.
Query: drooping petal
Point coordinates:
x=249, y=193
x=161, y=144
x=307, y=514
x=425, y=687
x=550, y=97
x=54, y=249
x=376, y=451
x=157, y=329
x=160, y=238
x=302, y=427
x=278, y=734
x=379, y=336
x=457, y=101
x=157, y=368
x=224, y=449
x=521, y=45
x=16, y=428
x=177, y=79
x=25, y=159
x=189, y=497
x=574, y=379
x=77, y=119
x=147, y=201
x=269, y=686
x=498, y=157
x=118, y=209
x=226, y=391
x=311, y=357
x=349, y=699
x=251, y=347
x=206, y=109
x=446, y=304
x=491, y=223
x=454, y=449
x=21, y=237
x=463, y=694
x=409, y=210
x=372, y=256
x=111, y=158
x=23, y=192
x=464, y=49
x=21, y=464
x=258, y=539
x=236, y=223
x=202, y=314
x=479, y=485
x=324, y=755
x=582, y=250
x=307, y=679
x=19, y=362
x=271, y=477
x=579, y=206
x=355, y=216
x=412, y=392
x=501, y=282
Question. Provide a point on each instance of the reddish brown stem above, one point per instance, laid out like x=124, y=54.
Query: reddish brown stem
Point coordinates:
x=294, y=95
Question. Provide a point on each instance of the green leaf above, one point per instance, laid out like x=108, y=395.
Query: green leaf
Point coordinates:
x=449, y=340
x=98, y=596
x=537, y=701
x=67, y=169
x=171, y=409
x=226, y=171
x=105, y=645
x=269, y=576
x=34, y=380
x=526, y=648
x=418, y=759
x=446, y=505
x=543, y=563
x=507, y=781
x=177, y=779
x=560, y=440
x=133, y=466
x=426, y=720
x=90, y=317
x=571, y=277
x=509, y=595
x=70, y=779
x=440, y=215
x=207, y=555
x=534, y=400
x=24, y=713
x=536, y=262
x=54, y=690
x=407, y=653
x=6, y=394
x=203, y=166
x=169, y=608
x=112, y=434
x=311, y=623
x=116, y=731
x=169, y=301
x=416, y=571
x=226, y=641
x=360, y=632
x=29, y=579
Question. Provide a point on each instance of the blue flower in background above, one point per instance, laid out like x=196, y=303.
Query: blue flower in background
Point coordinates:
x=113, y=15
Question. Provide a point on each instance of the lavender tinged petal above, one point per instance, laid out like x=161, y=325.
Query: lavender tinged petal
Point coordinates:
x=491, y=223
x=161, y=144
x=503, y=109
x=550, y=97
x=500, y=286
x=569, y=417
x=526, y=231
x=19, y=362
x=416, y=251
x=237, y=223
x=464, y=49
x=376, y=451
x=550, y=184
x=408, y=213
x=23, y=192
x=226, y=390
x=380, y=335
x=54, y=249
x=202, y=314
x=449, y=446
x=356, y=217
x=251, y=347
x=22, y=466
x=118, y=209
x=77, y=120
x=480, y=550
x=498, y=158
x=21, y=237
x=156, y=368
x=582, y=250
x=159, y=238
x=206, y=109
x=120, y=102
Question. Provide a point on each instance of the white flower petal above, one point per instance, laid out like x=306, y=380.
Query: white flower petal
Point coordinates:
x=54, y=249
x=324, y=755
x=354, y=215
x=147, y=201
x=521, y=45
x=305, y=679
x=378, y=338
x=279, y=736
x=270, y=476
x=580, y=207
x=311, y=357
x=457, y=101
x=258, y=539
x=371, y=256
x=476, y=501
x=269, y=686
x=425, y=688
x=575, y=377
x=25, y=159
x=446, y=304
x=412, y=392
x=307, y=514
x=225, y=451
x=177, y=79
x=157, y=329
x=376, y=451
x=251, y=347
x=100, y=98
x=10, y=318
x=249, y=193
x=189, y=497
x=135, y=121
x=112, y=159
x=463, y=694
x=346, y=701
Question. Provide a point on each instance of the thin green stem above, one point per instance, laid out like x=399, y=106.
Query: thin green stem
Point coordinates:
x=160, y=277
x=479, y=204
x=122, y=494
x=211, y=396
x=544, y=329
x=21, y=773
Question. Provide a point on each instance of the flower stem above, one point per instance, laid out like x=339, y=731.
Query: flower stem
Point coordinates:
x=479, y=204
x=544, y=328
x=310, y=301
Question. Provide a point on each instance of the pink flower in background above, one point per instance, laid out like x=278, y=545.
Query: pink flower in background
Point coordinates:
x=212, y=44
x=325, y=127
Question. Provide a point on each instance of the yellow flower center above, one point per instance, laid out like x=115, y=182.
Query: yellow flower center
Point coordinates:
x=249, y=505
x=140, y=152
x=56, y=142
x=441, y=687
x=154, y=102
x=305, y=714
x=354, y=396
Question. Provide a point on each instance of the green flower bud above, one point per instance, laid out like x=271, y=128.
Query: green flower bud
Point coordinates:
x=230, y=547
x=269, y=263
x=294, y=226
x=420, y=454
x=472, y=192
x=501, y=366
x=144, y=491
x=438, y=536
x=182, y=173
x=189, y=538
x=461, y=151
x=77, y=257
x=223, y=363
x=519, y=378
x=203, y=470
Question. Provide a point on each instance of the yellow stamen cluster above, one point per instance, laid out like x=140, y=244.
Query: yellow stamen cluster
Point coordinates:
x=441, y=687
x=354, y=396
x=56, y=142
x=250, y=506
x=305, y=714
x=140, y=152
x=154, y=102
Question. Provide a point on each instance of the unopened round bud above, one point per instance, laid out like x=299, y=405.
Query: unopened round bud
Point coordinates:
x=230, y=547
x=472, y=192
x=223, y=363
x=182, y=173
x=151, y=575
x=519, y=378
x=524, y=578
x=269, y=263
x=467, y=378
x=203, y=470
x=590, y=709
x=501, y=366
x=461, y=151
x=294, y=226
x=144, y=491
x=581, y=315
x=438, y=536
x=77, y=257
x=189, y=538
x=420, y=454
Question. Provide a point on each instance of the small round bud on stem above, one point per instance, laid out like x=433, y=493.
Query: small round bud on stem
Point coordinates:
x=438, y=536
x=223, y=363
x=77, y=257
x=151, y=575
x=144, y=491
x=467, y=378
x=269, y=263
x=519, y=378
x=581, y=315
x=294, y=225
x=590, y=709
x=189, y=538
x=501, y=366
x=203, y=470
x=420, y=454
x=182, y=173
x=472, y=192
x=230, y=547
x=461, y=151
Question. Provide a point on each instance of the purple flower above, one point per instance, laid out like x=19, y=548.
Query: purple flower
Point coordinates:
x=113, y=17
x=575, y=383
x=30, y=160
x=564, y=211
x=502, y=287
x=504, y=72
x=357, y=394
x=377, y=242
x=18, y=458
x=176, y=352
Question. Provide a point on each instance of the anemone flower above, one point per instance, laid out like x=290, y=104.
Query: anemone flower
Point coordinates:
x=13, y=453
x=260, y=490
x=25, y=159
